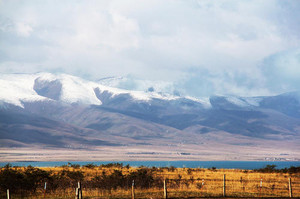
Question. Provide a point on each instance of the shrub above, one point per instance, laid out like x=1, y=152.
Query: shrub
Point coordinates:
x=90, y=166
x=143, y=178
x=27, y=180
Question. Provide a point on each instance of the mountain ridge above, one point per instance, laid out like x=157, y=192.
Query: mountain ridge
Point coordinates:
x=76, y=113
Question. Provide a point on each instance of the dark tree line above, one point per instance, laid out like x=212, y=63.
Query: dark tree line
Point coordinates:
x=143, y=179
x=29, y=179
x=272, y=169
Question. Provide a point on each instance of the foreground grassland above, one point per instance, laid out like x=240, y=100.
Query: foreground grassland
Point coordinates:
x=115, y=181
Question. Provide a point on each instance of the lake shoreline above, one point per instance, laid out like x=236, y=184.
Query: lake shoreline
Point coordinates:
x=243, y=165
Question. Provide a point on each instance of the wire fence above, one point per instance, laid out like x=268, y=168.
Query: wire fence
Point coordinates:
x=234, y=188
x=178, y=188
x=143, y=182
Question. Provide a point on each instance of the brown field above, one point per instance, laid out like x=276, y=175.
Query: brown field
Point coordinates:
x=186, y=183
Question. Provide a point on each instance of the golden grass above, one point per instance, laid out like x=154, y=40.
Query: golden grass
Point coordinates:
x=184, y=182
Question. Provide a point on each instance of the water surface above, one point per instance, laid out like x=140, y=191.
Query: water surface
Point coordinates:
x=178, y=164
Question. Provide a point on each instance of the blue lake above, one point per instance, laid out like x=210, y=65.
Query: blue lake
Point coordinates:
x=178, y=164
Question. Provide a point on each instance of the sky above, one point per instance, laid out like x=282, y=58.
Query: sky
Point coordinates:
x=202, y=47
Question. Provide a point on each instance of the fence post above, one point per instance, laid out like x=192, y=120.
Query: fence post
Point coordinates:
x=224, y=185
x=260, y=187
x=290, y=188
x=45, y=188
x=132, y=190
x=165, y=189
x=8, y=196
x=76, y=192
x=80, y=190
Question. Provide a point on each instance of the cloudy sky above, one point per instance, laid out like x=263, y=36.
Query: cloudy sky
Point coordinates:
x=204, y=47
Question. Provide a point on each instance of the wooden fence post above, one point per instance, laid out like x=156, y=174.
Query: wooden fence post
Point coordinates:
x=224, y=185
x=8, y=196
x=45, y=188
x=76, y=192
x=290, y=188
x=79, y=190
x=132, y=190
x=165, y=189
x=260, y=188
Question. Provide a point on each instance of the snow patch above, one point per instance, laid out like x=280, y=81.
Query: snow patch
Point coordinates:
x=253, y=101
x=76, y=90
x=18, y=88
x=204, y=101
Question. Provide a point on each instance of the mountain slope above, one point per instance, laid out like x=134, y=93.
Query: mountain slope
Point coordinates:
x=62, y=111
x=29, y=129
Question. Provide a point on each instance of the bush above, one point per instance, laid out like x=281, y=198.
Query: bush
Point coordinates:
x=90, y=166
x=66, y=178
x=27, y=180
x=171, y=168
x=111, y=165
x=113, y=181
x=272, y=169
x=75, y=166
x=213, y=168
x=143, y=178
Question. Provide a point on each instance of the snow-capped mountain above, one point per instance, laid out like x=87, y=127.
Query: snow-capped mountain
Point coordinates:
x=18, y=88
x=61, y=110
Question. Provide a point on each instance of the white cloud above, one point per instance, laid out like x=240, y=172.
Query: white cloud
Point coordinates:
x=282, y=71
x=152, y=39
x=23, y=29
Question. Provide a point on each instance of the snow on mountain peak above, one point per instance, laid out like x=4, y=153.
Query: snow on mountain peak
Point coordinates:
x=15, y=88
x=76, y=90
x=238, y=101
x=18, y=88
x=204, y=101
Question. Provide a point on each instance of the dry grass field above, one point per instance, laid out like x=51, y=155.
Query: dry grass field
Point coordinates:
x=181, y=183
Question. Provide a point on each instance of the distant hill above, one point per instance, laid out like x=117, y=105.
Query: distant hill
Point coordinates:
x=61, y=111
